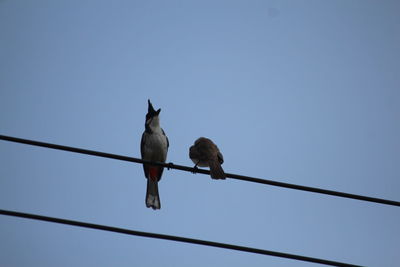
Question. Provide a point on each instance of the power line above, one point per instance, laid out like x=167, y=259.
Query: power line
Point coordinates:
x=189, y=169
x=173, y=238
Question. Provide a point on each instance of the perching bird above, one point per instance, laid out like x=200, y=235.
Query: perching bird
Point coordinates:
x=205, y=153
x=153, y=147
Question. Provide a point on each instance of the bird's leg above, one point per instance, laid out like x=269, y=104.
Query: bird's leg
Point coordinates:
x=195, y=168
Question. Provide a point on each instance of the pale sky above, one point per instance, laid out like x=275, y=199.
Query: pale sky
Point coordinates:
x=304, y=92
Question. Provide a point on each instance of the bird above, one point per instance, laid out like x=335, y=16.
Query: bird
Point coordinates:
x=205, y=153
x=153, y=147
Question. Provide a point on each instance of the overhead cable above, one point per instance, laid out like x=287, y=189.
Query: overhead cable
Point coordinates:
x=173, y=238
x=193, y=170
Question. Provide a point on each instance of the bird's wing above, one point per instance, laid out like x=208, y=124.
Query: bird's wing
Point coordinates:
x=142, y=142
x=166, y=138
x=220, y=157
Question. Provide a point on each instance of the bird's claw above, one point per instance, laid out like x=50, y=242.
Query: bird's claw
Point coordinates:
x=170, y=165
x=195, y=169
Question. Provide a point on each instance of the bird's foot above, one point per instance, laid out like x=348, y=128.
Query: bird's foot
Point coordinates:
x=195, y=169
x=170, y=165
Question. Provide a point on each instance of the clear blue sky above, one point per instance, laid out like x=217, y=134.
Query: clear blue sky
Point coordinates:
x=305, y=92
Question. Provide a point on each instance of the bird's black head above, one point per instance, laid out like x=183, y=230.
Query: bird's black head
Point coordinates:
x=152, y=112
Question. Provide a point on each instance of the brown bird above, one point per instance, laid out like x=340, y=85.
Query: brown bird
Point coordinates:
x=205, y=153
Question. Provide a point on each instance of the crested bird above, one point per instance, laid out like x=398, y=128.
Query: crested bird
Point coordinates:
x=153, y=147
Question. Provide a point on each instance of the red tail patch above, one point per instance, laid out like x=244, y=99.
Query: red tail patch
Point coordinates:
x=153, y=173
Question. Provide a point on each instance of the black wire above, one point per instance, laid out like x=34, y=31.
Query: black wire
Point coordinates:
x=189, y=169
x=172, y=238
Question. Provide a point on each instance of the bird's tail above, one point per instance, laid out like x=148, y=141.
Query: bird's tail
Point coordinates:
x=216, y=170
x=152, y=197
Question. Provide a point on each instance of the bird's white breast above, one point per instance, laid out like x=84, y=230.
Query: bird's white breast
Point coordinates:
x=156, y=147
